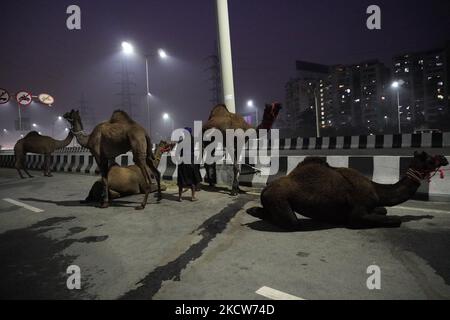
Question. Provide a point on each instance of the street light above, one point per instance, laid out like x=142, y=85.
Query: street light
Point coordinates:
x=167, y=117
x=396, y=86
x=251, y=105
x=162, y=54
x=34, y=125
x=128, y=49
x=58, y=119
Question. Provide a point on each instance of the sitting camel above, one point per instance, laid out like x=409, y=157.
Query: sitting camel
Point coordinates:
x=125, y=181
x=112, y=138
x=221, y=119
x=35, y=143
x=341, y=195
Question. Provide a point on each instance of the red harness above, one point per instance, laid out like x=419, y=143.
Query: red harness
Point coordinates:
x=418, y=176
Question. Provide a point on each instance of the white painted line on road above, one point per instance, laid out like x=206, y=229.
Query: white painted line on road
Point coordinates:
x=23, y=205
x=275, y=294
x=421, y=209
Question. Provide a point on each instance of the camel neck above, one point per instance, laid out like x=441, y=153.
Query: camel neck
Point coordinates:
x=64, y=143
x=395, y=194
x=265, y=124
x=82, y=138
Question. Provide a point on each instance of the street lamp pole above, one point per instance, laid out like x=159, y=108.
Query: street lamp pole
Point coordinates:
x=226, y=63
x=398, y=111
x=147, y=97
x=396, y=85
x=317, y=113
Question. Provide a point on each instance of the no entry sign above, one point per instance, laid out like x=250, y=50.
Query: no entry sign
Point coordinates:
x=4, y=96
x=24, y=98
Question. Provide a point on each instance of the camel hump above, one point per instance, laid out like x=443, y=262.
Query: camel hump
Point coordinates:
x=218, y=109
x=32, y=133
x=316, y=160
x=120, y=116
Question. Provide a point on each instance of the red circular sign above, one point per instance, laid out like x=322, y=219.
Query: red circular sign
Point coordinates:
x=24, y=98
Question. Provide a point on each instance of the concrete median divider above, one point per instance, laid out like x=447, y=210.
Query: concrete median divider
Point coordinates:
x=379, y=168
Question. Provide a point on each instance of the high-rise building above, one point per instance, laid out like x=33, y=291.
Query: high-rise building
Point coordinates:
x=355, y=96
x=424, y=87
x=375, y=102
x=300, y=91
x=360, y=98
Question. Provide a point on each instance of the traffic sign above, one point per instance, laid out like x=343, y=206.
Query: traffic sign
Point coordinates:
x=24, y=98
x=4, y=96
x=47, y=99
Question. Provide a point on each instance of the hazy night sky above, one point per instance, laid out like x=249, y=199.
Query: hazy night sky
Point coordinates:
x=38, y=53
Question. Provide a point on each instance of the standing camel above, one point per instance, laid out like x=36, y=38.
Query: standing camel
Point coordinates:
x=221, y=119
x=112, y=138
x=35, y=143
x=125, y=181
x=341, y=195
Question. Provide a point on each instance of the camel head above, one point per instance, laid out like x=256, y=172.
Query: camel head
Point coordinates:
x=165, y=146
x=426, y=164
x=271, y=112
x=73, y=117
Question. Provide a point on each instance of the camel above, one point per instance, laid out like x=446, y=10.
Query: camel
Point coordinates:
x=35, y=143
x=112, y=138
x=125, y=181
x=221, y=119
x=341, y=195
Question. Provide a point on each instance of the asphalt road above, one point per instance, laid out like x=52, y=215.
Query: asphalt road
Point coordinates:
x=210, y=249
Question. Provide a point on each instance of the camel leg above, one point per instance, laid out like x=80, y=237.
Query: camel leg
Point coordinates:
x=103, y=166
x=114, y=194
x=145, y=170
x=279, y=212
x=26, y=171
x=360, y=217
x=20, y=174
x=47, y=166
x=381, y=211
x=236, y=173
x=157, y=176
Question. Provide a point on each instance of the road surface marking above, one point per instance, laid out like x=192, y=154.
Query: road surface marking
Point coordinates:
x=275, y=294
x=23, y=205
x=421, y=209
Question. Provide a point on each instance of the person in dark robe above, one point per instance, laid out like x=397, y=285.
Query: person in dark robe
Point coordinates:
x=188, y=173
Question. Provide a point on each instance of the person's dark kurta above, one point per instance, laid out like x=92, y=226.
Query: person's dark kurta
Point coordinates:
x=189, y=174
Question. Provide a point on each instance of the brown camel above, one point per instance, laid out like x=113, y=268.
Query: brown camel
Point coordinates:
x=340, y=195
x=35, y=143
x=112, y=138
x=125, y=181
x=221, y=119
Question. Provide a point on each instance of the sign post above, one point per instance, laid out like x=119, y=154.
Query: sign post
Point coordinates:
x=23, y=98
